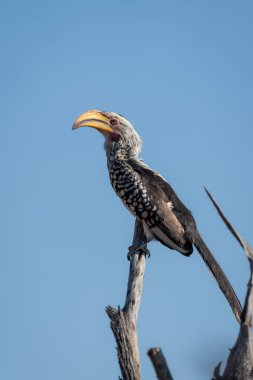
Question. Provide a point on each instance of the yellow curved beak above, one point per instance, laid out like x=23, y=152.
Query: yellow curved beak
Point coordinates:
x=93, y=119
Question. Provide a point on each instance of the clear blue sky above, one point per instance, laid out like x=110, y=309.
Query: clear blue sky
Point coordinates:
x=181, y=72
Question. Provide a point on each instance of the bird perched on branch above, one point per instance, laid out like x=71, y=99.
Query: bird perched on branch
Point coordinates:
x=148, y=196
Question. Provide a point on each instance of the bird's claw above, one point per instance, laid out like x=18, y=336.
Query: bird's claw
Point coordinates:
x=139, y=249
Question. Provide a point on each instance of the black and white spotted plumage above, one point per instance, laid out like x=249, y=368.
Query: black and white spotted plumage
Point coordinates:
x=148, y=196
x=164, y=217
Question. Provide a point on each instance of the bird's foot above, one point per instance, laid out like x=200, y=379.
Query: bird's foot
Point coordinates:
x=139, y=249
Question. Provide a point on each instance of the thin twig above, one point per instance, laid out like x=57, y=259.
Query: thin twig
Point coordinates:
x=248, y=250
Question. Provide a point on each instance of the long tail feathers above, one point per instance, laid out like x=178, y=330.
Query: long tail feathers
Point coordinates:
x=219, y=275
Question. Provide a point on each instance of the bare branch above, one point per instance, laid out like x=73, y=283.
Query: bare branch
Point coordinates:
x=123, y=321
x=240, y=361
x=216, y=373
x=248, y=250
x=160, y=365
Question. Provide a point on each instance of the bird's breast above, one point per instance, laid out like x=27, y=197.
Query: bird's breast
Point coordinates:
x=131, y=190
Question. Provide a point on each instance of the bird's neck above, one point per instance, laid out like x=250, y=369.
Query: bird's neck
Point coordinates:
x=116, y=151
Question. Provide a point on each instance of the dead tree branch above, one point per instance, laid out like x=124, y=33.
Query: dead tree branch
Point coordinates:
x=240, y=361
x=159, y=363
x=248, y=250
x=123, y=321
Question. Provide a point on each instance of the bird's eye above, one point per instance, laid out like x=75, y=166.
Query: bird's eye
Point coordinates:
x=114, y=122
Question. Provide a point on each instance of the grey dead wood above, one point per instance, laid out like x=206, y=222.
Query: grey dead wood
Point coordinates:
x=159, y=363
x=123, y=321
x=240, y=361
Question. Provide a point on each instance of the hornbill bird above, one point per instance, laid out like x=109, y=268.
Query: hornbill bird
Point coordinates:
x=148, y=196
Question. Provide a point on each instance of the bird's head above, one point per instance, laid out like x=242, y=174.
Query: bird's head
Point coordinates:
x=120, y=135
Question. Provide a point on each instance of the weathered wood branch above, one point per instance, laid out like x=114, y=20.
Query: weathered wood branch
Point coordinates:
x=159, y=363
x=123, y=321
x=240, y=361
